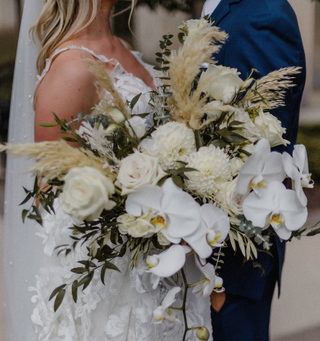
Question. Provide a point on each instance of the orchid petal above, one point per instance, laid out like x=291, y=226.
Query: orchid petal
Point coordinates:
x=143, y=199
x=182, y=210
x=170, y=298
x=198, y=242
x=283, y=233
x=215, y=219
x=294, y=212
x=300, y=158
x=170, y=261
x=273, y=169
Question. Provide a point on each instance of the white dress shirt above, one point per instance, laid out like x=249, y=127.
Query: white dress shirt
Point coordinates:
x=209, y=6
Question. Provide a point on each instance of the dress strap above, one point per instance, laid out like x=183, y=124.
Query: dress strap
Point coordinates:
x=102, y=58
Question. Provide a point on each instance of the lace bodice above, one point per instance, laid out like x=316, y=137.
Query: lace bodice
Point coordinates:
x=122, y=309
x=126, y=83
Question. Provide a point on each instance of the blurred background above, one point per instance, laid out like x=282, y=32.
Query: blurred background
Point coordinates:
x=296, y=315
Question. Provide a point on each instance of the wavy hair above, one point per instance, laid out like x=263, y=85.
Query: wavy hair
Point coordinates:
x=58, y=21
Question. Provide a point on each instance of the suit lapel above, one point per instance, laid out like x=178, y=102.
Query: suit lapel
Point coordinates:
x=222, y=10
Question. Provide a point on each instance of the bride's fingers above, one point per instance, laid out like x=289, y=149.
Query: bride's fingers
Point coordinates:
x=217, y=300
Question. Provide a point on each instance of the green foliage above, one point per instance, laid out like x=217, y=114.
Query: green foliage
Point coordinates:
x=170, y=5
x=309, y=135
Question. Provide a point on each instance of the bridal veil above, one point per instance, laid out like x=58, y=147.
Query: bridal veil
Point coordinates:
x=22, y=248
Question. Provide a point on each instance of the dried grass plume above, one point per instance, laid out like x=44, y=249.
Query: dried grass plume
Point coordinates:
x=55, y=158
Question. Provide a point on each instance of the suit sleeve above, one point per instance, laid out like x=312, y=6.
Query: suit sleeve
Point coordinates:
x=269, y=41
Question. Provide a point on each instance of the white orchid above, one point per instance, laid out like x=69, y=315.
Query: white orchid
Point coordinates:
x=176, y=209
x=211, y=281
x=167, y=263
x=297, y=169
x=217, y=222
x=164, y=312
x=275, y=206
x=262, y=167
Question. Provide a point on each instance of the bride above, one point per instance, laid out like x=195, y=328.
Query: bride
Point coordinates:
x=69, y=31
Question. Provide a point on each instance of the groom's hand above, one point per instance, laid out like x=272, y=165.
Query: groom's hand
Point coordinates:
x=217, y=300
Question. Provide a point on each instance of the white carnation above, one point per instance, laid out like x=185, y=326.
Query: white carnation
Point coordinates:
x=170, y=143
x=213, y=169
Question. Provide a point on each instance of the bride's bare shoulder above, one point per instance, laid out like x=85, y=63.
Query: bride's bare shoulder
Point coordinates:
x=66, y=89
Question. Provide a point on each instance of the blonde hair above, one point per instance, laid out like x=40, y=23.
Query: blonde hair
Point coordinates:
x=60, y=20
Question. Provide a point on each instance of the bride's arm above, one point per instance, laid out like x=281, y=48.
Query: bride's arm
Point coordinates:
x=67, y=89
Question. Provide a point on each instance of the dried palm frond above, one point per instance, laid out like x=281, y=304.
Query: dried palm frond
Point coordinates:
x=184, y=68
x=269, y=91
x=55, y=158
x=105, y=82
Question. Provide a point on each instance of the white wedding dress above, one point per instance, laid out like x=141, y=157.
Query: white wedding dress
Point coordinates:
x=122, y=309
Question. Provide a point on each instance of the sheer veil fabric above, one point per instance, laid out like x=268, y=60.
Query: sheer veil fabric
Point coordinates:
x=21, y=246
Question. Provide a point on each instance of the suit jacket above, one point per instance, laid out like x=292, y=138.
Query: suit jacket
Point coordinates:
x=263, y=34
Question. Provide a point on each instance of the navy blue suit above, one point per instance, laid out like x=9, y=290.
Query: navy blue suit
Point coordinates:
x=263, y=34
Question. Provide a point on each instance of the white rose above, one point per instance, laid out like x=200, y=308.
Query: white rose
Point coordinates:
x=138, y=125
x=137, y=170
x=228, y=198
x=86, y=193
x=270, y=128
x=141, y=228
x=222, y=82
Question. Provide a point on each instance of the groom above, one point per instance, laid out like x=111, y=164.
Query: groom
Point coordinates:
x=263, y=34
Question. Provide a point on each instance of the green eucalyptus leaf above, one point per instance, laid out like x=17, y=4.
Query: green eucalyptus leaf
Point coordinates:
x=28, y=197
x=177, y=180
x=47, y=125
x=79, y=270
x=56, y=291
x=313, y=232
x=75, y=291
x=24, y=214
x=69, y=139
x=59, y=299
x=134, y=100
x=86, y=280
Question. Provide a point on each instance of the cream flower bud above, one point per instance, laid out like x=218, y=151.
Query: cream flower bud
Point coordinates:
x=116, y=115
x=111, y=128
x=203, y=334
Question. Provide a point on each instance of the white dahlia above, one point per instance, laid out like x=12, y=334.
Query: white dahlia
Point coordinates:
x=213, y=169
x=170, y=143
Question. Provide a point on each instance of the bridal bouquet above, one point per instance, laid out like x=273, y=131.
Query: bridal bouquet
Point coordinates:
x=182, y=180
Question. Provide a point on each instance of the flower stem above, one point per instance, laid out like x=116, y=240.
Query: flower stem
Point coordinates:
x=184, y=305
